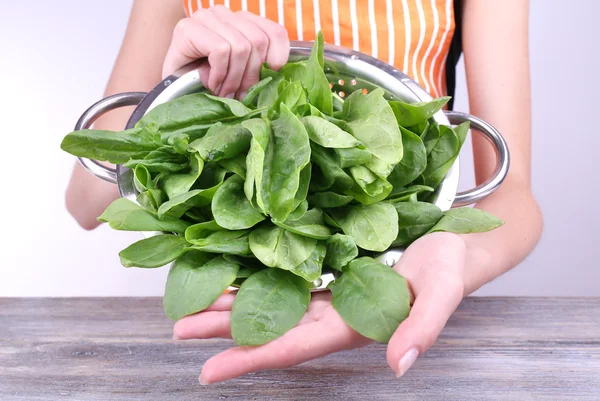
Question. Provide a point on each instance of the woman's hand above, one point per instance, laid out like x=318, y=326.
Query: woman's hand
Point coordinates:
x=236, y=45
x=433, y=267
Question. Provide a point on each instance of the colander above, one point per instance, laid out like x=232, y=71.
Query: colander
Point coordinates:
x=347, y=71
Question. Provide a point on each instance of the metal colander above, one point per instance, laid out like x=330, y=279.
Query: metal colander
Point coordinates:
x=347, y=71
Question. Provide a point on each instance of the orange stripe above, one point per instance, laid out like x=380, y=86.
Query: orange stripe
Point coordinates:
x=326, y=22
x=254, y=6
x=438, y=66
x=345, y=23
x=428, y=17
x=235, y=5
x=271, y=10
x=382, y=31
x=289, y=19
x=308, y=20
x=364, y=29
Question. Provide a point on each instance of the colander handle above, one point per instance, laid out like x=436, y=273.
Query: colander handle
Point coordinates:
x=502, y=158
x=92, y=114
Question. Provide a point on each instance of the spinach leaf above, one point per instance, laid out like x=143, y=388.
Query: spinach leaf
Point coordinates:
x=288, y=152
x=163, y=159
x=327, y=134
x=329, y=199
x=268, y=304
x=444, y=153
x=414, y=220
x=310, y=269
x=178, y=205
x=400, y=194
x=123, y=214
x=179, y=142
x=370, y=119
x=431, y=136
x=311, y=225
x=111, y=146
x=236, y=165
x=210, y=237
x=255, y=160
x=315, y=81
x=329, y=175
x=294, y=71
x=254, y=91
x=154, y=251
x=196, y=108
x=373, y=227
x=413, y=162
x=195, y=281
x=409, y=114
x=466, y=220
x=142, y=179
x=370, y=188
x=222, y=142
x=303, y=184
x=293, y=96
x=341, y=249
x=150, y=199
x=352, y=157
x=371, y=298
x=277, y=247
x=298, y=211
x=269, y=93
x=250, y=263
x=230, y=207
x=176, y=184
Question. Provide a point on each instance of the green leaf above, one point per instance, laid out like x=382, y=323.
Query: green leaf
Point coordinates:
x=142, y=179
x=277, y=247
x=210, y=237
x=444, y=154
x=151, y=199
x=123, y=214
x=293, y=96
x=222, y=142
x=154, y=251
x=230, y=207
x=408, y=114
x=176, y=184
x=370, y=119
x=329, y=199
x=268, y=304
x=255, y=160
x=178, y=205
x=269, y=93
x=254, y=91
x=298, y=211
x=179, y=143
x=288, y=152
x=315, y=80
x=371, y=298
x=352, y=157
x=373, y=227
x=412, y=164
x=111, y=146
x=294, y=71
x=329, y=175
x=195, y=282
x=369, y=188
x=327, y=134
x=431, y=136
x=163, y=159
x=311, y=225
x=400, y=194
x=310, y=269
x=466, y=220
x=341, y=249
x=414, y=220
x=236, y=165
x=193, y=109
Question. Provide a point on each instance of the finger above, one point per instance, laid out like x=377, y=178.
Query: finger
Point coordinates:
x=279, y=42
x=203, y=325
x=222, y=304
x=240, y=47
x=298, y=345
x=191, y=41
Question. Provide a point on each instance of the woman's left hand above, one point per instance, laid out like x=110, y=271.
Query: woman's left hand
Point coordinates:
x=433, y=267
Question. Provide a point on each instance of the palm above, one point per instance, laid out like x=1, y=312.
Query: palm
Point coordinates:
x=320, y=332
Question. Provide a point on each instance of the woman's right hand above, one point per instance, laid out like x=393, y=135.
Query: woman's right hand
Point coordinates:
x=236, y=45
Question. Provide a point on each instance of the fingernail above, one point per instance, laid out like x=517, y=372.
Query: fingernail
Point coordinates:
x=176, y=337
x=203, y=381
x=230, y=95
x=243, y=95
x=407, y=360
x=218, y=90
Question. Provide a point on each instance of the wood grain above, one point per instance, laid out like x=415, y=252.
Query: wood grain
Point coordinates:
x=121, y=349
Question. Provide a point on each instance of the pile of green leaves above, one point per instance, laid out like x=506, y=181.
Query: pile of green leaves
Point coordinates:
x=269, y=192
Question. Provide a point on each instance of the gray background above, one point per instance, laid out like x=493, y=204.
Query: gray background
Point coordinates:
x=56, y=60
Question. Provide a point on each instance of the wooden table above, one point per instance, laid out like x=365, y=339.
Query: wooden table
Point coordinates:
x=121, y=349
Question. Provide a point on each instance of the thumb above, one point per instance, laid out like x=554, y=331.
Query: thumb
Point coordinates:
x=432, y=308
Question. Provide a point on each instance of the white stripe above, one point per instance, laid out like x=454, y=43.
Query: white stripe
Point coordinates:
x=373, y=26
x=280, y=12
x=438, y=90
x=299, y=20
x=422, y=28
x=190, y=9
x=391, y=34
x=336, y=22
x=436, y=26
x=317, y=16
x=226, y=3
x=211, y=3
x=263, y=12
x=354, y=21
x=245, y=5
x=407, y=39
x=443, y=66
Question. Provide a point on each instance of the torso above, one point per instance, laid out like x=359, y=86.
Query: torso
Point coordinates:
x=412, y=35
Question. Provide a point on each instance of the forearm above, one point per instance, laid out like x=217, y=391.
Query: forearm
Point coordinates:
x=138, y=68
